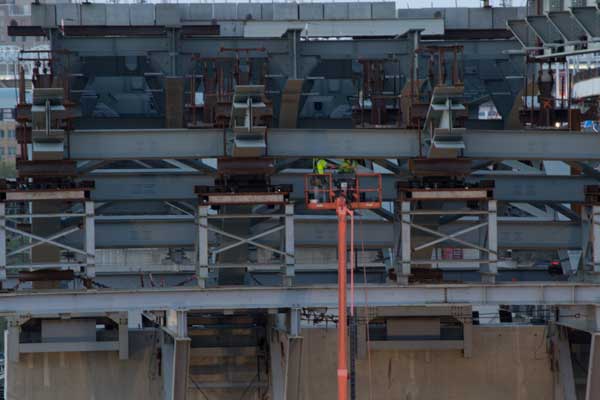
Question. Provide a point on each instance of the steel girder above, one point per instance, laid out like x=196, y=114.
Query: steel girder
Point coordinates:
x=335, y=143
x=179, y=231
x=146, y=144
x=180, y=186
x=232, y=298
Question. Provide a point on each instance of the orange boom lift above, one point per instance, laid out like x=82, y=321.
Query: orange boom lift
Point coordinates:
x=343, y=193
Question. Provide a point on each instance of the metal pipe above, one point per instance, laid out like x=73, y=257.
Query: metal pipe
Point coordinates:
x=342, y=371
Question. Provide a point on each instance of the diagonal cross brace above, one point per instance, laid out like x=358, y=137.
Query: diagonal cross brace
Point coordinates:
x=249, y=240
x=53, y=237
x=45, y=240
x=449, y=237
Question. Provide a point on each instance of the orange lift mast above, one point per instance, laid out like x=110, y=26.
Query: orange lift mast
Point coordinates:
x=323, y=193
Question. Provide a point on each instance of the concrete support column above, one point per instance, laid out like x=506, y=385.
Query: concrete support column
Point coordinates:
x=277, y=360
x=593, y=373
x=90, y=240
x=468, y=335
x=134, y=319
x=592, y=391
x=294, y=318
x=596, y=317
x=123, y=338
x=289, y=246
x=202, y=262
x=286, y=358
x=176, y=355
x=11, y=344
x=177, y=322
x=361, y=336
x=490, y=270
x=403, y=273
x=564, y=380
x=294, y=368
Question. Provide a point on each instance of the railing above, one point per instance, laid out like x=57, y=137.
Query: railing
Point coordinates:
x=362, y=190
x=318, y=190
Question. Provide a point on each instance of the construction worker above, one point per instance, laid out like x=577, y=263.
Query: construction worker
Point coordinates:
x=345, y=180
x=347, y=166
x=319, y=182
x=319, y=166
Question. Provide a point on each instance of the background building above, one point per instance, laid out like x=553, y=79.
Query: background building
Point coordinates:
x=8, y=141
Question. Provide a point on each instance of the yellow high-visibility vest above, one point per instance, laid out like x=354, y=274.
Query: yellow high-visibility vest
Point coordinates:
x=320, y=166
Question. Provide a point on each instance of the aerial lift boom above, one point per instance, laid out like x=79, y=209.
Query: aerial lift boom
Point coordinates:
x=344, y=194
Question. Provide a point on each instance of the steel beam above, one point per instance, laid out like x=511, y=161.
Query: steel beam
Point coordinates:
x=335, y=143
x=393, y=143
x=263, y=297
x=180, y=186
x=339, y=143
x=169, y=186
x=133, y=231
x=145, y=144
x=531, y=145
x=548, y=188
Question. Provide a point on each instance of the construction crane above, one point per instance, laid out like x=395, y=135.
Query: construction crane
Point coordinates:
x=343, y=193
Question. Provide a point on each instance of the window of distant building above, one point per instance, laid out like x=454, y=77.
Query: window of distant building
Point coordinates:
x=12, y=151
x=18, y=10
x=11, y=134
x=6, y=114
